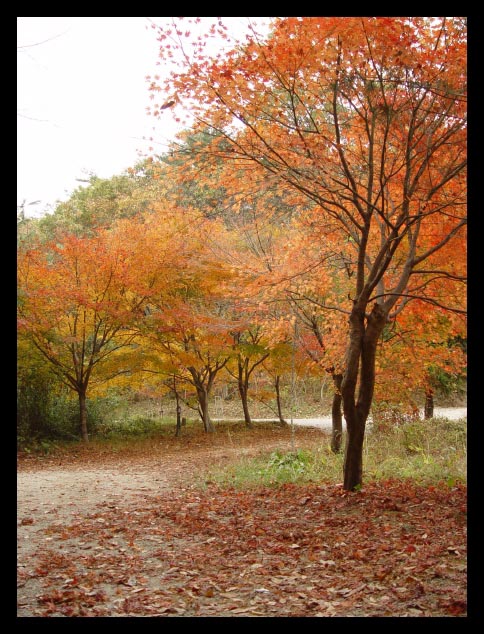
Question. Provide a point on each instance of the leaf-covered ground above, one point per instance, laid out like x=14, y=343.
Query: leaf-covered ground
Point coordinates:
x=137, y=537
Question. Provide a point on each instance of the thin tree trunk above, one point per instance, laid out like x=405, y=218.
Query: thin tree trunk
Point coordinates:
x=429, y=404
x=245, y=405
x=243, y=386
x=178, y=414
x=336, y=415
x=278, y=400
x=83, y=416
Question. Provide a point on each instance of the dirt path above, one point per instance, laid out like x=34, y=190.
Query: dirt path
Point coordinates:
x=325, y=422
x=56, y=492
x=54, y=495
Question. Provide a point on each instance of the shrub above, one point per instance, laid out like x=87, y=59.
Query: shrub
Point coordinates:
x=136, y=426
x=46, y=411
x=385, y=416
x=413, y=437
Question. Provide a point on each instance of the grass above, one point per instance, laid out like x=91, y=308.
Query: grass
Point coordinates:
x=136, y=427
x=431, y=451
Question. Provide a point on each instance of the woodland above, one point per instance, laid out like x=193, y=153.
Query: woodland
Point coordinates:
x=302, y=241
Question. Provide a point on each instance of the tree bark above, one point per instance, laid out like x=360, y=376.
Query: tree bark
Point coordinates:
x=243, y=385
x=360, y=364
x=336, y=415
x=178, y=415
x=353, y=464
x=278, y=400
x=83, y=416
x=203, y=406
x=429, y=404
x=245, y=405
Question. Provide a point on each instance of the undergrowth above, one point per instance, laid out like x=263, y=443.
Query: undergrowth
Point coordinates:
x=426, y=451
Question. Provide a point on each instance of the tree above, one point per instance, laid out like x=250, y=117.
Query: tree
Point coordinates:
x=414, y=348
x=278, y=366
x=37, y=389
x=364, y=119
x=75, y=307
x=312, y=322
x=197, y=354
x=101, y=202
x=250, y=353
x=312, y=282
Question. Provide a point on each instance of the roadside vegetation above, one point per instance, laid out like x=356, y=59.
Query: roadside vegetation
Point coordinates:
x=427, y=451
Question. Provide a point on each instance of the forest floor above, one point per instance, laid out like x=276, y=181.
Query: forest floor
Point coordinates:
x=140, y=531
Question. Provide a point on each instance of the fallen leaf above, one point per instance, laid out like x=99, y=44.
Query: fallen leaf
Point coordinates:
x=27, y=521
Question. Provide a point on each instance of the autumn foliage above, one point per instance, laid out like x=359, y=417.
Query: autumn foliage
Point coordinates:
x=309, y=221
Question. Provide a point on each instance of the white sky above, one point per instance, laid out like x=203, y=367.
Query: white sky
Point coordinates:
x=81, y=101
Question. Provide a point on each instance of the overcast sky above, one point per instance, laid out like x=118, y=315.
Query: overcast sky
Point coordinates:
x=81, y=101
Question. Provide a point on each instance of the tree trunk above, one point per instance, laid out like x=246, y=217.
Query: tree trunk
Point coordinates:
x=336, y=415
x=360, y=364
x=243, y=386
x=278, y=400
x=243, y=391
x=203, y=407
x=353, y=464
x=83, y=416
x=429, y=404
x=178, y=415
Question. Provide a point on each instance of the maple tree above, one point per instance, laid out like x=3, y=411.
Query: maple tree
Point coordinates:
x=315, y=344
x=415, y=343
x=250, y=352
x=411, y=349
x=310, y=283
x=78, y=301
x=195, y=350
x=364, y=120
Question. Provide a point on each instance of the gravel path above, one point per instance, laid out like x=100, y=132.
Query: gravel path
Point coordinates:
x=452, y=413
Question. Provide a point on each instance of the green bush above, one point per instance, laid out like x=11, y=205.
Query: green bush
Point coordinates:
x=43, y=409
x=287, y=466
x=413, y=437
x=47, y=412
x=136, y=426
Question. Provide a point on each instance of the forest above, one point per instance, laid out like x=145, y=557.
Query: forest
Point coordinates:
x=300, y=250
